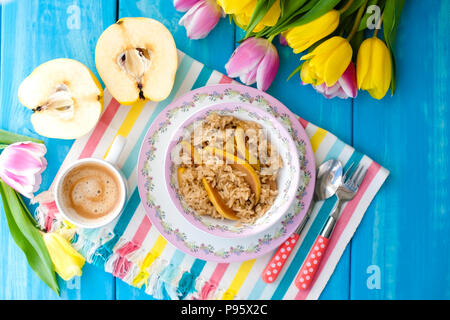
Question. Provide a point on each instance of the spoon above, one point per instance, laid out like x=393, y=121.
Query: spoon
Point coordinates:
x=329, y=178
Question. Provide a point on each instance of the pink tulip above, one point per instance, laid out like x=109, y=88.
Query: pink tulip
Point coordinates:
x=21, y=165
x=283, y=40
x=255, y=60
x=345, y=87
x=201, y=19
x=184, y=5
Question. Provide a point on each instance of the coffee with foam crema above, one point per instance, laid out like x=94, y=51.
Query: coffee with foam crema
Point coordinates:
x=91, y=190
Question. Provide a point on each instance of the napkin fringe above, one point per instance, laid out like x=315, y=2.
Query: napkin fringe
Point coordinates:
x=126, y=259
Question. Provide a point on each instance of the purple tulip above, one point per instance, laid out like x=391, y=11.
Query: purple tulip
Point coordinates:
x=345, y=87
x=21, y=165
x=184, y=5
x=201, y=18
x=255, y=60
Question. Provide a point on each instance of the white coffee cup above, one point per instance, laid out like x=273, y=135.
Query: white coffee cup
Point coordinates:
x=110, y=163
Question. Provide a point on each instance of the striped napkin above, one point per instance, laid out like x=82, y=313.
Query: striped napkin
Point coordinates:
x=133, y=250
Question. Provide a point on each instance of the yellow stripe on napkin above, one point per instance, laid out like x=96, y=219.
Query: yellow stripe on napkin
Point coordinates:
x=154, y=253
x=129, y=121
x=317, y=138
x=238, y=280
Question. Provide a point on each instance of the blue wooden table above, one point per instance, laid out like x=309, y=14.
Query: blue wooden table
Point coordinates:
x=401, y=250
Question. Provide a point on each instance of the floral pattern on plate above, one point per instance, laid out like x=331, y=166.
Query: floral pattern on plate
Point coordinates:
x=162, y=212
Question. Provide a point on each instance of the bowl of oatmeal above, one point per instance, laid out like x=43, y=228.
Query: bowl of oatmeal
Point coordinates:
x=232, y=170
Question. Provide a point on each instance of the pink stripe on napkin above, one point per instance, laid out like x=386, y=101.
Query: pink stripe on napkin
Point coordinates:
x=123, y=264
x=100, y=129
x=211, y=285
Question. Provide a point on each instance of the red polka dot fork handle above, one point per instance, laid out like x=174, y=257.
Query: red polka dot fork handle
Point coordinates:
x=306, y=274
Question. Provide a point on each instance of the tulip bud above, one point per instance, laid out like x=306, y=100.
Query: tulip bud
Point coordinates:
x=270, y=18
x=184, y=5
x=373, y=67
x=201, y=19
x=255, y=60
x=327, y=62
x=66, y=260
x=344, y=88
x=21, y=165
x=304, y=36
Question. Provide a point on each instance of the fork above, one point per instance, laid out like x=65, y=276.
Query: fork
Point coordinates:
x=345, y=192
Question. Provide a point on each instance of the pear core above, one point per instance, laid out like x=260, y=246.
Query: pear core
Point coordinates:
x=60, y=102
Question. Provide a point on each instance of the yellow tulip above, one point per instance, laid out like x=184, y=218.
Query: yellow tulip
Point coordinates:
x=243, y=11
x=234, y=6
x=66, y=260
x=327, y=62
x=269, y=20
x=373, y=67
x=302, y=37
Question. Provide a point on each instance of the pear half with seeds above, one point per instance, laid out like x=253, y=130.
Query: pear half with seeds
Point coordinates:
x=65, y=96
x=137, y=60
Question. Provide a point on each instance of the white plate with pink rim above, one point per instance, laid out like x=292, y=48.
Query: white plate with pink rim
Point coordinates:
x=287, y=179
x=168, y=219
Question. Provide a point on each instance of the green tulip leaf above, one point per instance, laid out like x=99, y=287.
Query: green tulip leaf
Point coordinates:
x=261, y=9
x=309, y=12
x=320, y=8
x=27, y=236
x=7, y=138
x=295, y=71
x=290, y=7
x=391, y=18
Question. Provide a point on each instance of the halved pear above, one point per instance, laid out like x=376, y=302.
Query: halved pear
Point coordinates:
x=65, y=96
x=137, y=60
x=251, y=177
x=218, y=202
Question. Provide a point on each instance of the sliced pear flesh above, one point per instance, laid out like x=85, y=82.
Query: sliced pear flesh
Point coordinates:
x=137, y=60
x=251, y=177
x=187, y=146
x=65, y=97
x=243, y=150
x=218, y=202
x=180, y=172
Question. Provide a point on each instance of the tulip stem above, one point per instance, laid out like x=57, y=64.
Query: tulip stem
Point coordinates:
x=378, y=27
x=357, y=21
x=347, y=5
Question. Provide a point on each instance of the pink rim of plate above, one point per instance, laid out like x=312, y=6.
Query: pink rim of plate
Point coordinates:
x=250, y=230
x=306, y=197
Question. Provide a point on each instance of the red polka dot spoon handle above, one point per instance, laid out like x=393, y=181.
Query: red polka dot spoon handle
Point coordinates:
x=278, y=260
x=311, y=264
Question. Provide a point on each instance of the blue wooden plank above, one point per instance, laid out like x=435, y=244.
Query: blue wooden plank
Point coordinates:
x=32, y=33
x=401, y=249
